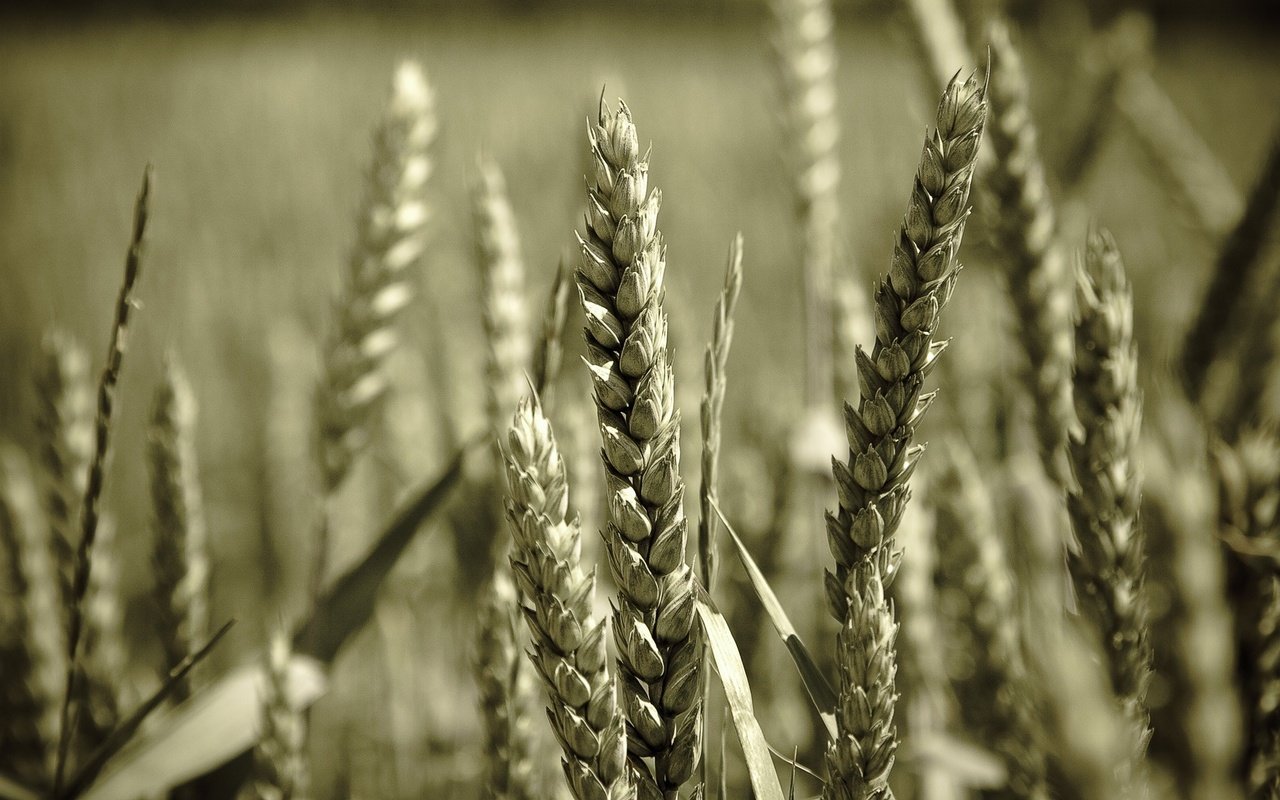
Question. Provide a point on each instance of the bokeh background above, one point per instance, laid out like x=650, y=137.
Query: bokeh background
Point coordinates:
x=257, y=121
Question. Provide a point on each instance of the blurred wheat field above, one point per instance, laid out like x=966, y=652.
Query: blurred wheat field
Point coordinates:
x=258, y=130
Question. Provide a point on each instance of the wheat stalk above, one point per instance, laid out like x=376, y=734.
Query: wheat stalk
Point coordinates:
x=805, y=65
x=1182, y=160
x=1039, y=277
x=620, y=281
x=180, y=556
x=549, y=352
x=1220, y=317
x=64, y=422
x=280, y=768
x=569, y=642
x=872, y=487
x=1109, y=567
x=996, y=699
x=502, y=277
x=89, y=510
x=505, y=693
x=714, y=366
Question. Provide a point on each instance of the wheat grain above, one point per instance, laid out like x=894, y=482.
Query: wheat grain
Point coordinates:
x=390, y=239
x=805, y=65
x=502, y=277
x=1109, y=567
x=872, y=487
x=1039, y=277
x=180, y=555
x=280, y=768
x=995, y=700
x=620, y=282
x=714, y=366
x=569, y=642
x=504, y=682
x=89, y=510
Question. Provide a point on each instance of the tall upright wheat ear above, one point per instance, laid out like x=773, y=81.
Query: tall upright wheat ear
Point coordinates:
x=805, y=63
x=872, y=488
x=180, y=554
x=569, y=642
x=390, y=238
x=1039, y=275
x=996, y=700
x=620, y=281
x=1109, y=566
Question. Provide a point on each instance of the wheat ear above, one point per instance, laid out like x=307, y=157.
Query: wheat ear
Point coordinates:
x=873, y=486
x=89, y=509
x=620, y=281
x=503, y=680
x=1182, y=160
x=715, y=365
x=105, y=690
x=64, y=422
x=805, y=64
x=502, y=280
x=569, y=642
x=180, y=556
x=1039, y=275
x=1223, y=313
x=1264, y=766
x=996, y=700
x=1109, y=567
x=280, y=768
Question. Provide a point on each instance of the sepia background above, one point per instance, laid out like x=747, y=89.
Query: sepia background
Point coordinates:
x=257, y=122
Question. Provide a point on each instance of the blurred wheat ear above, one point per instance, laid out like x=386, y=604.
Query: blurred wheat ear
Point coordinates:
x=280, y=768
x=180, y=554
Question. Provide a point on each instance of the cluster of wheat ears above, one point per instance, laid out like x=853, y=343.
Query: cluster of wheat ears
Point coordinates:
x=1036, y=625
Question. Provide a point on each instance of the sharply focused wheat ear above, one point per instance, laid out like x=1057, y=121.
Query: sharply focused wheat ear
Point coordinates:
x=1038, y=271
x=180, y=554
x=805, y=65
x=872, y=487
x=620, y=282
x=569, y=640
x=390, y=239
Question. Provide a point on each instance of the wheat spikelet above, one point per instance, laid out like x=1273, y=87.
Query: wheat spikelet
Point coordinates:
x=64, y=422
x=89, y=509
x=620, y=281
x=1182, y=160
x=1109, y=567
x=280, y=768
x=390, y=238
x=569, y=642
x=1220, y=316
x=714, y=366
x=872, y=487
x=995, y=697
x=180, y=556
x=805, y=65
x=505, y=693
x=506, y=325
x=1039, y=277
